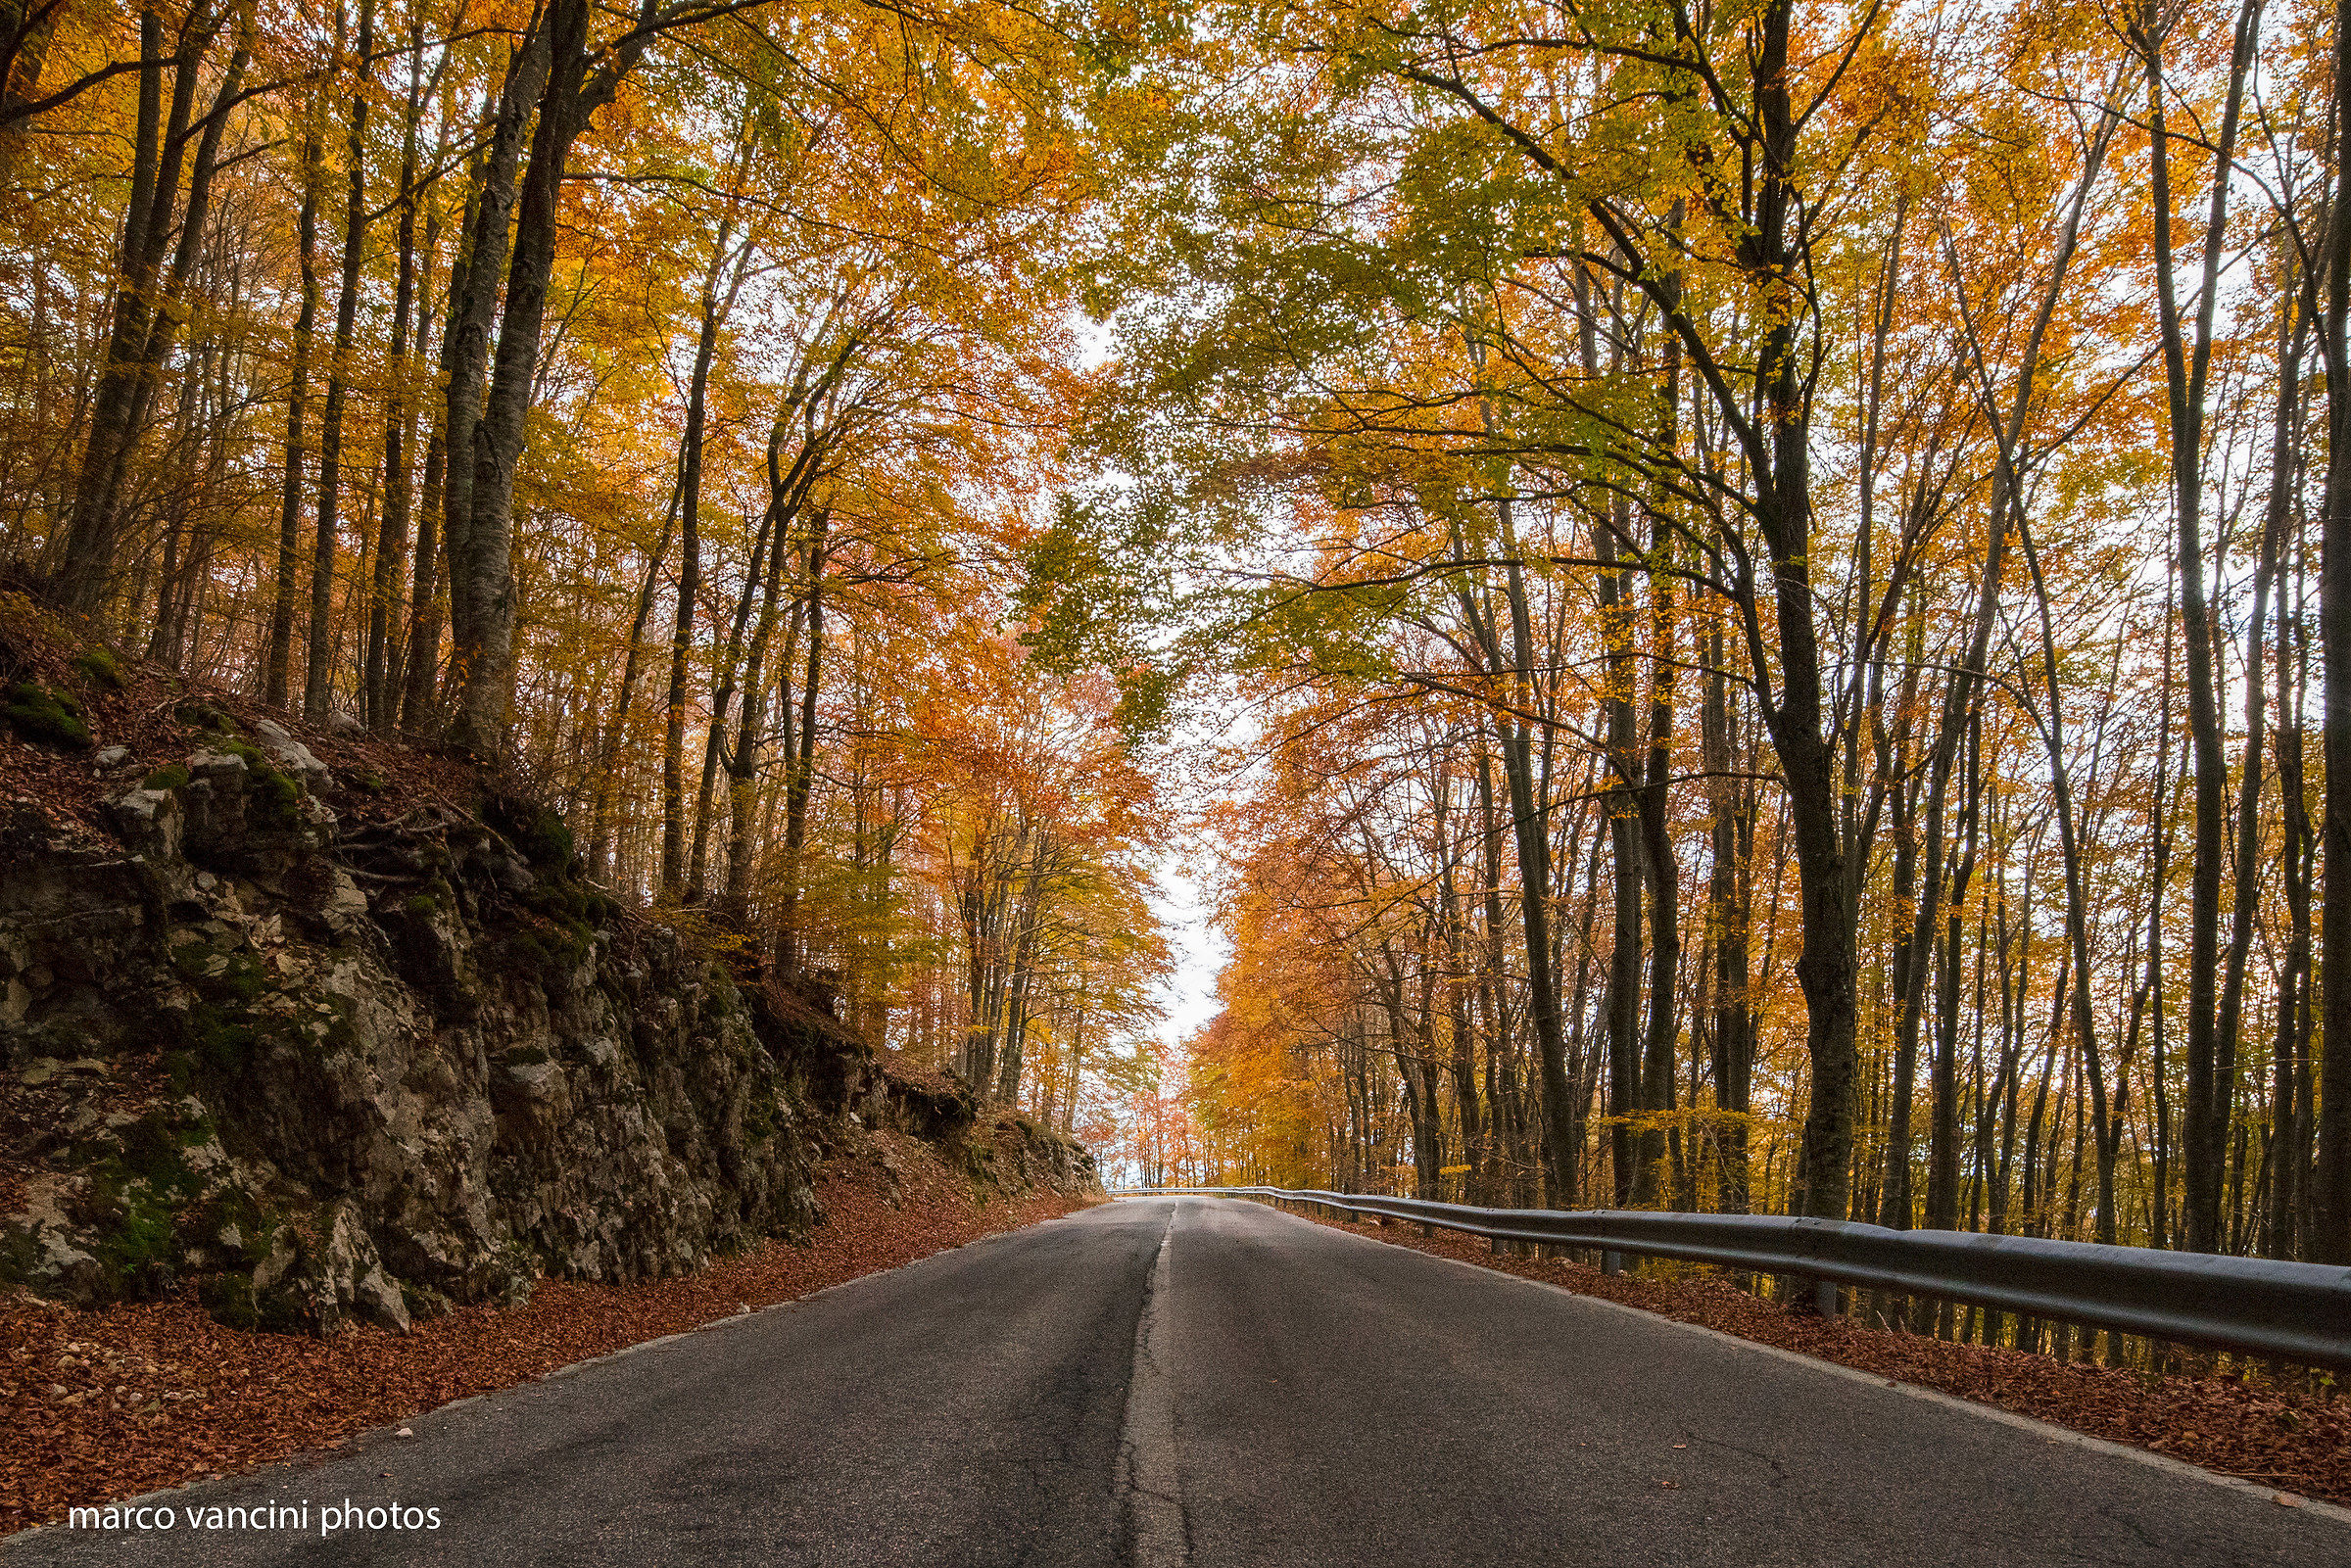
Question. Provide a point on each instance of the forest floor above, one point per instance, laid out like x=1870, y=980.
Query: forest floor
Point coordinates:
x=106, y=1404
x=2240, y=1424
x=153, y=716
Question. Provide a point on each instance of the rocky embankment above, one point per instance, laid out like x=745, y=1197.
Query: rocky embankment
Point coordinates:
x=357, y=1065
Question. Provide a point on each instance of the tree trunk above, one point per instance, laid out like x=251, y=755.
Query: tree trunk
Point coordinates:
x=2211, y=1058
x=722, y=698
x=481, y=576
x=1729, y=886
x=1530, y=814
x=2330, y=1184
x=690, y=577
x=734, y=900
x=607, y=762
x=278, y=685
x=1662, y=873
x=473, y=294
x=318, y=672
x=146, y=317
x=379, y=681
x=802, y=775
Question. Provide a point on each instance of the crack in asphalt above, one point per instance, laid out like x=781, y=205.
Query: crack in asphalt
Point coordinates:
x=1778, y=1470
x=1158, y=1529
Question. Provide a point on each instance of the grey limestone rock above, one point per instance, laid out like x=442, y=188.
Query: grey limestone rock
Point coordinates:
x=290, y=756
x=410, y=1063
x=413, y=1074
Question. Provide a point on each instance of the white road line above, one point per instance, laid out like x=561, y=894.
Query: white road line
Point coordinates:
x=1157, y=1533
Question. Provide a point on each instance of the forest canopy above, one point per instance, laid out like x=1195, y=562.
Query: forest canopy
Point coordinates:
x=1730, y=600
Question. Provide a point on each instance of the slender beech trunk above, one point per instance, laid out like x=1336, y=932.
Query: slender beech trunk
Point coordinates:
x=2159, y=834
x=1626, y=1148
x=802, y=764
x=1530, y=816
x=2330, y=1182
x=481, y=577
x=2290, y=1105
x=690, y=576
x=378, y=684
x=1943, y=1111
x=1491, y=961
x=1459, y=984
x=278, y=671
x=474, y=293
x=722, y=700
x=2210, y=1059
x=608, y=761
x=1662, y=873
x=420, y=665
x=2248, y=868
x=1728, y=885
x=744, y=771
x=317, y=683
x=147, y=311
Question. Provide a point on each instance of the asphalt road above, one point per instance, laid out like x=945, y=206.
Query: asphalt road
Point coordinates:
x=1190, y=1381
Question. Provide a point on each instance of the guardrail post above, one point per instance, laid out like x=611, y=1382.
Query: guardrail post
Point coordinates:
x=1612, y=1262
x=1808, y=1293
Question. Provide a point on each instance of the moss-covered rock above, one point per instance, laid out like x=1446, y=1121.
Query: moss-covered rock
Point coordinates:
x=273, y=800
x=50, y=718
x=98, y=666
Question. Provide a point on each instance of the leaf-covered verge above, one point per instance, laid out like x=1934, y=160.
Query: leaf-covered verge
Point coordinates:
x=110, y=1404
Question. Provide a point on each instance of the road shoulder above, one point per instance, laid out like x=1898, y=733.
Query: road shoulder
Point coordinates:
x=2283, y=1443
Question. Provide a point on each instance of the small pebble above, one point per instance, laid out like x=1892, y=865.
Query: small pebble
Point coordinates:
x=405, y=1432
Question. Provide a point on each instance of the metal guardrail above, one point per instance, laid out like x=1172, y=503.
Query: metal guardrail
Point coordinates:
x=2297, y=1313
